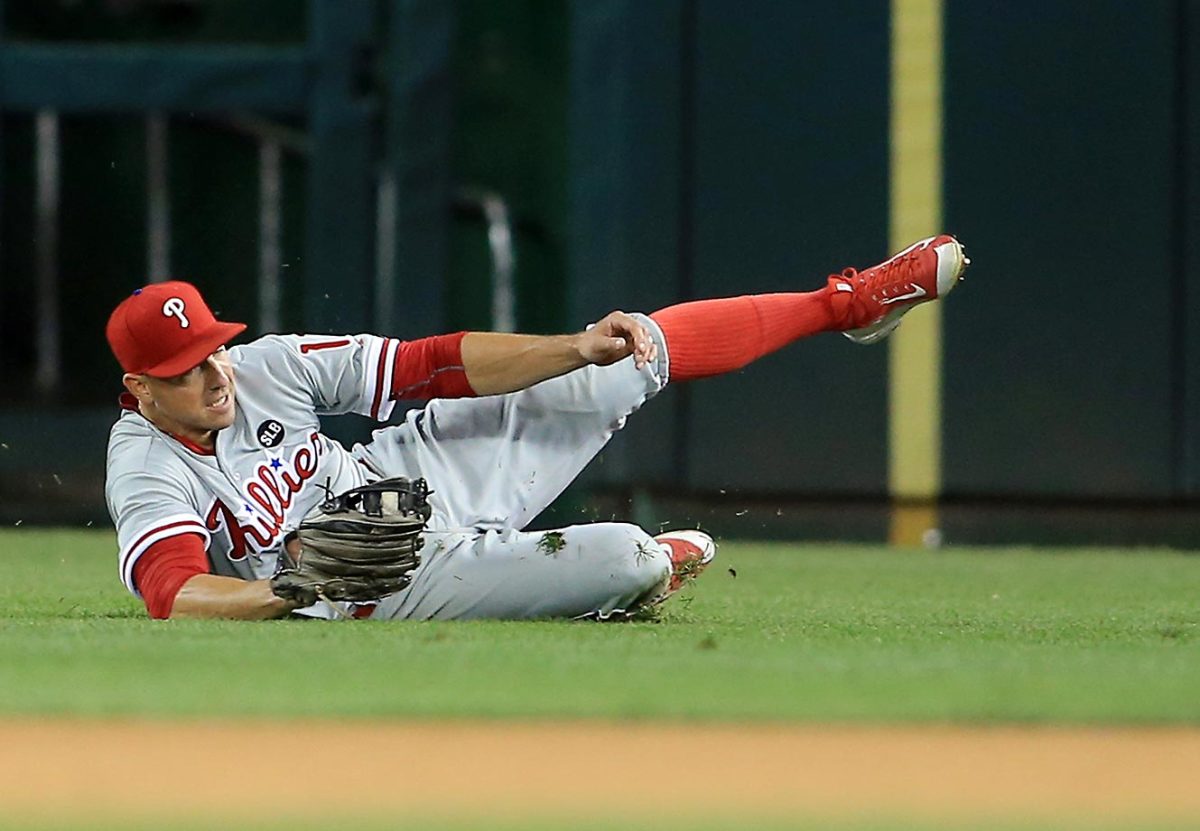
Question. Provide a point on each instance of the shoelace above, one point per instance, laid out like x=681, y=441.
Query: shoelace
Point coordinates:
x=890, y=279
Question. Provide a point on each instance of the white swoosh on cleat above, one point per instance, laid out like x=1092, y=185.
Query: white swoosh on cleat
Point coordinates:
x=912, y=295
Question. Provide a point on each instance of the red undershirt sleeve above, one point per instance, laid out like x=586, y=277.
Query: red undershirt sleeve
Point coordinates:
x=162, y=570
x=431, y=368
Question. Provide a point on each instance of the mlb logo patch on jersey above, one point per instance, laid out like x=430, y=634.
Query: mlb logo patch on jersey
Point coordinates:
x=270, y=433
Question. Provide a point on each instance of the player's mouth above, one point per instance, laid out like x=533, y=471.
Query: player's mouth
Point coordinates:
x=221, y=404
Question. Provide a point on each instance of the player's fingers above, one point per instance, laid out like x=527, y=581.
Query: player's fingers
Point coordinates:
x=644, y=343
x=630, y=328
x=615, y=322
x=640, y=349
x=635, y=337
x=645, y=352
x=641, y=345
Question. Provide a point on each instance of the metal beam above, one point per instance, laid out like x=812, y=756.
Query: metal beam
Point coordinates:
x=158, y=198
x=129, y=78
x=48, y=329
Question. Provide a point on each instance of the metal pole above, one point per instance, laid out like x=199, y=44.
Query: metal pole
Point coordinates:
x=48, y=372
x=504, y=256
x=385, y=253
x=504, y=261
x=270, y=200
x=158, y=201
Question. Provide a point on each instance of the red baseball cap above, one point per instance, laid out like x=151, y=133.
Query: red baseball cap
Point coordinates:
x=165, y=329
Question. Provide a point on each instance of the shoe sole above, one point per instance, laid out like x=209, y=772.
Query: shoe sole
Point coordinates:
x=952, y=262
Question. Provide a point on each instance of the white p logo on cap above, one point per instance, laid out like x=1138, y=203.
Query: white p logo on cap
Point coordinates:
x=174, y=308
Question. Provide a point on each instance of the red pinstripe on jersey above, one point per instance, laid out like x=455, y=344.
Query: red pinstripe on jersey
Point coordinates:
x=305, y=348
x=380, y=374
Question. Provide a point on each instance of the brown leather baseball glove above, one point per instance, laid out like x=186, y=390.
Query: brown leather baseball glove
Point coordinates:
x=358, y=546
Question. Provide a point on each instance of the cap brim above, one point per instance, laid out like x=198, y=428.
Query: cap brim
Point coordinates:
x=200, y=348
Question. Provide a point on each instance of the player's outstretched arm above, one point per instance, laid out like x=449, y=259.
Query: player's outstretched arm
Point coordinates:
x=212, y=596
x=497, y=363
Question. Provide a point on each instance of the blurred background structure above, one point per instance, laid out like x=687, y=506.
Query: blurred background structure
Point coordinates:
x=417, y=166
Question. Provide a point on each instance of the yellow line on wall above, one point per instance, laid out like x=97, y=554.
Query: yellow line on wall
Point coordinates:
x=915, y=359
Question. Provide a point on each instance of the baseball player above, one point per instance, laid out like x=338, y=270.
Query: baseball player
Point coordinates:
x=218, y=453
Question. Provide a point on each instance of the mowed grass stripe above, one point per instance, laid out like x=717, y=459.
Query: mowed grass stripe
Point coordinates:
x=802, y=633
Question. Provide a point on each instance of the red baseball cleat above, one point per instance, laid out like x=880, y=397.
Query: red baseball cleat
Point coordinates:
x=881, y=295
x=691, y=552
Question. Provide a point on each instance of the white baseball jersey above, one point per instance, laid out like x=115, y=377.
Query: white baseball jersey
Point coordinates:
x=269, y=468
x=493, y=463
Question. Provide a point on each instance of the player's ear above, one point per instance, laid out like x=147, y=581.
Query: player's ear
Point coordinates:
x=136, y=384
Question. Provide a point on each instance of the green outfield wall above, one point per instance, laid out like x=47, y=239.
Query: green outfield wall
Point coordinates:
x=649, y=152
x=1070, y=168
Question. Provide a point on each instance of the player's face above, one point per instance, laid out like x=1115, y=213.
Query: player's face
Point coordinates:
x=197, y=403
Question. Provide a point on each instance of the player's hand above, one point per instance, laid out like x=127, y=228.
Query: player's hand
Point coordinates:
x=615, y=337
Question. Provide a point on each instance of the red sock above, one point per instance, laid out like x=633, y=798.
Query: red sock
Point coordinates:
x=710, y=337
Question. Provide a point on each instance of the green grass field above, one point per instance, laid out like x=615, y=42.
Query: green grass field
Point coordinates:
x=802, y=633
